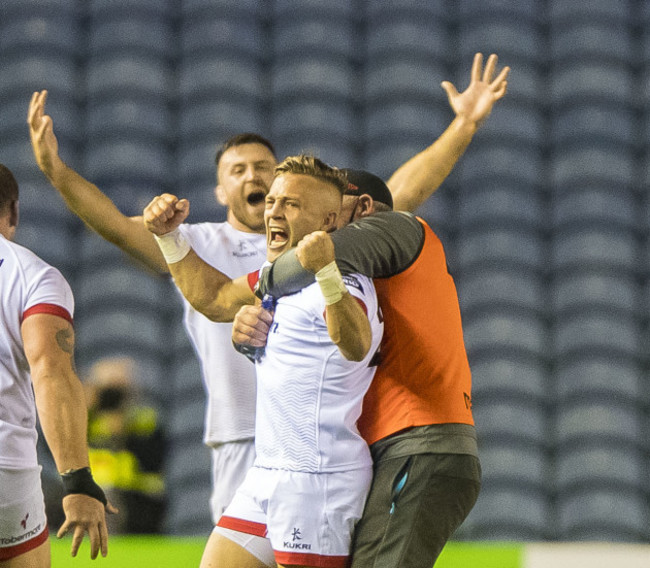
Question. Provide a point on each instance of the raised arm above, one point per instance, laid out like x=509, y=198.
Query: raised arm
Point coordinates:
x=418, y=178
x=49, y=347
x=378, y=246
x=347, y=323
x=85, y=199
x=210, y=292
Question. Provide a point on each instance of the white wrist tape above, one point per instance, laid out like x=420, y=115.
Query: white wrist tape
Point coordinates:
x=173, y=245
x=331, y=283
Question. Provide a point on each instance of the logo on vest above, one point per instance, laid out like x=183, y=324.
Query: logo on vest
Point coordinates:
x=244, y=250
x=296, y=535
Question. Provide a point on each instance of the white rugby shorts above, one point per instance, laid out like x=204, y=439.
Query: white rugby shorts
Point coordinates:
x=308, y=517
x=230, y=464
x=23, y=525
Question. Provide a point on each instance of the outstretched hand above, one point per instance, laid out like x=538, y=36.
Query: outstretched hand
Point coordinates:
x=41, y=134
x=165, y=213
x=475, y=103
x=83, y=515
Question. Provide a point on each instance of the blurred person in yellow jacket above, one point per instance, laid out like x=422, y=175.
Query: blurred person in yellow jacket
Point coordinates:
x=126, y=445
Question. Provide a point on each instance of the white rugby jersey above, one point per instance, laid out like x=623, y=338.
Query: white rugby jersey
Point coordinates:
x=28, y=285
x=309, y=395
x=228, y=376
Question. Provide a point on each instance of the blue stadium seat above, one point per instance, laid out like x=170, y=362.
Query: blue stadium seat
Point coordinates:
x=512, y=465
x=593, y=82
x=595, y=10
x=187, y=417
x=483, y=247
x=32, y=35
x=407, y=37
x=493, y=202
x=205, y=35
x=188, y=503
x=113, y=327
x=128, y=34
x=584, y=290
x=330, y=37
x=320, y=119
x=512, y=122
x=498, y=288
x=604, y=41
x=39, y=200
x=128, y=160
x=330, y=150
x=594, y=247
x=383, y=157
x=124, y=284
x=509, y=514
x=337, y=9
x=101, y=9
x=401, y=120
x=239, y=9
x=113, y=76
x=505, y=162
x=597, y=332
x=439, y=212
x=50, y=240
x=96, y=252
x=314, y=78
x=214, y=76
x=499, y=376
x=219, y=119
x=522, y=10
x=591, y=420
x=414, y=79
x=505, y=332
x=618, y=380
x=21, y=76
x=603, y=515
x=424, y=11
x=599, y=465
x=149, y=120
x=593, y=123
x=591, y=164
x=512, y=39
x=45, y=8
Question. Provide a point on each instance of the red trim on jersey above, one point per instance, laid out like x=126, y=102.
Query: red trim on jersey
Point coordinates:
x=306, y=559
x=253, y=278
x=51, y=309
x=241, y=525
x=13, y=551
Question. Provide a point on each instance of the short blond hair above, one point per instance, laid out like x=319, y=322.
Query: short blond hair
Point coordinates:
x=308, y=165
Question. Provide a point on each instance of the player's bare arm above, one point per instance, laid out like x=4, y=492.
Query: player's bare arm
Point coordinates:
x=209, y=291
x=347, y=323
x=418, y=178
x=49, y=348
x=85, y=199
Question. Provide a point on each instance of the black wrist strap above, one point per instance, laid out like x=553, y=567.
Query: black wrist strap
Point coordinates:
x=80, y=481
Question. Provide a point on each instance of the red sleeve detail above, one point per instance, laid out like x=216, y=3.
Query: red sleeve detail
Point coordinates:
x=51, y=309
x=253, y=279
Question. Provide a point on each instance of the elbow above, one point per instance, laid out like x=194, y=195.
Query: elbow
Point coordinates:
x=356, y=351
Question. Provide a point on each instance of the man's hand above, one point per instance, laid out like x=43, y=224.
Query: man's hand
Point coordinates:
x=475, y=103
x=165, y=213
x=85, y=514
x=315, y=251
x=251, y=326
x=41, y=133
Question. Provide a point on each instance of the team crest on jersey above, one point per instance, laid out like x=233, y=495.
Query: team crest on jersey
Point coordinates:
x=244, y=249
x=354, y=282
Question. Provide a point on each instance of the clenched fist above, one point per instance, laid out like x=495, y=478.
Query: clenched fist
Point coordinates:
x=315, y=251
x=165, y=213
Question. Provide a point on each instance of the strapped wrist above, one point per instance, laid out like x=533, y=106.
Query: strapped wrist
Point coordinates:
x=173, y=245
x=81, y=482
x=331, y=283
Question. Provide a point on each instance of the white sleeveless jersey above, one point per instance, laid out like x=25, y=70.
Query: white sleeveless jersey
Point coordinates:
x=229, y=377
x=309, y=395
x=28, y=285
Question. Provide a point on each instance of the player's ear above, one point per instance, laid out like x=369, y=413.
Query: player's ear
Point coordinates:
x=13, y=214
x=330, y=221
x=365, y=206
x=220, y=194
